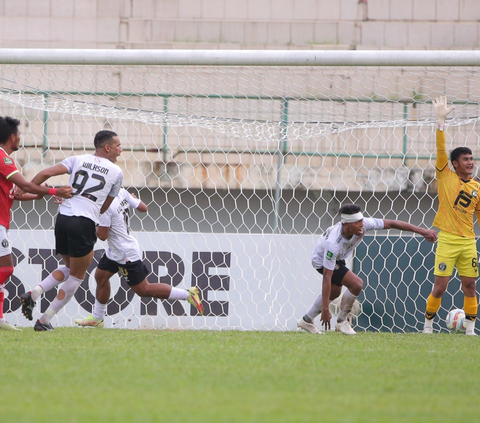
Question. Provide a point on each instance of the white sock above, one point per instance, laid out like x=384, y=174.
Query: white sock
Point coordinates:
x=315, y=309
x=178, y=294
x=69, y=287
x=37, y=292
x=49, y=283
x=469, y=326
x=346, y=305
x=99, y=310
x=428, y=323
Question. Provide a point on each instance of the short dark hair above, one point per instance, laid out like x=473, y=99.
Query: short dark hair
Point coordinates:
x=102, y=138
x=457, y=152
x=350, y=209
x=8, y=127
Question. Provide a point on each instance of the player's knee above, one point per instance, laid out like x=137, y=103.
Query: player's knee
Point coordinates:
x=356, y=286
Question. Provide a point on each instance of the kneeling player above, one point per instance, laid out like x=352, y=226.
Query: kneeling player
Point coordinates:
x=328, y=258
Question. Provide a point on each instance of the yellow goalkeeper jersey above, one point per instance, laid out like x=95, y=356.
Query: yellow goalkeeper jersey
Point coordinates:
x=458, y=199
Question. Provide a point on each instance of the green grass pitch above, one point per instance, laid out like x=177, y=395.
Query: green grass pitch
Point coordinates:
x=95, y=375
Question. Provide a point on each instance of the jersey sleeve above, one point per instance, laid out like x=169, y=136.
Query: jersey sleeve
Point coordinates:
x=7, y=167
x=442, y=160
x=133, y=202
x=330, y=256
x=105, y=219
x=69, y=163
x=370, y=224
x=117, y=185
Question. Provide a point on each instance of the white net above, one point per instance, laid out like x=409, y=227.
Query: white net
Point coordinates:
x=242, y=169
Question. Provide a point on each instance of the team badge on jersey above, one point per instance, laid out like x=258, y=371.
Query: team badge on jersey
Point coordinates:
x=474, y=193
x=8, y=161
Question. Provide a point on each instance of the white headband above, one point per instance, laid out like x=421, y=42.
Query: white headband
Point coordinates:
x=351, y=218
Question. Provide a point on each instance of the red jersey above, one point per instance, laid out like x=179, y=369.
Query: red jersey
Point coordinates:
x=7, y=169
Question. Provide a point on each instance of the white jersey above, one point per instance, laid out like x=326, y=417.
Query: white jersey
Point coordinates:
x=333, y=246
x=92, y=179
x=122, y=245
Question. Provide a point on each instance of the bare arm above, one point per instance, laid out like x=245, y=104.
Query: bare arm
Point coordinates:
x=142, y=207
x=102, y=232
x=429, y=234
x=326, y=290
x=106, y=204
x=34, y=188
x=45, y=174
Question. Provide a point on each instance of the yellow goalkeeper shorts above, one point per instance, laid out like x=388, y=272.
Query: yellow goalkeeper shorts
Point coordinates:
x=455, y=250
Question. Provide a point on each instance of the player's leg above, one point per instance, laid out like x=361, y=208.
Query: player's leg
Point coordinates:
x=467, y=266
x=28, y=299
x=445, y=259
x=354, y=286
x=136, y=275
x=470, y=304
x=6, y=270
x=105, y=270
x=81, y=238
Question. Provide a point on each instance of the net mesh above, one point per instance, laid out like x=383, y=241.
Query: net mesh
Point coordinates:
x=242, y=169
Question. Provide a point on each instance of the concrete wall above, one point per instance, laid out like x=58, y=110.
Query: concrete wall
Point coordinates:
x=240, y=24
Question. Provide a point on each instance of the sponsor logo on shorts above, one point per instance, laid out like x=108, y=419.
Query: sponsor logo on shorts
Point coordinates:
x=329, y=255
x=8, y=161
x=442, y=267
x=5, y=243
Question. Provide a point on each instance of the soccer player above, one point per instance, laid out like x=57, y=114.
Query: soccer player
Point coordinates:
x=10, y=180
x=458, y=199
x=123, y=254
x=96, y=181
x=328, y=258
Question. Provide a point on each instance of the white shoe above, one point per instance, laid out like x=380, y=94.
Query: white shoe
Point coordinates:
x=345, y=328
x=427, y=330
x=6, y=326
x=309, y=327
x=471, y=333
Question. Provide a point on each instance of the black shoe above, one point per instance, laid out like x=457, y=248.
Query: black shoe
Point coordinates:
x=27, y=305
x=40, y=327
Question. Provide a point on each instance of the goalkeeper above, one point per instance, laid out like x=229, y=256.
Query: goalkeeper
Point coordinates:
x=328, y=258
x=458, y=199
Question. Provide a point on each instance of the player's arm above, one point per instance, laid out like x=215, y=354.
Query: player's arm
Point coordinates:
x=442, y=111
x=142, y=207
x=106, y=204
x=102, y=232
x=326, y=290
x=34, y=187
x=428, y=234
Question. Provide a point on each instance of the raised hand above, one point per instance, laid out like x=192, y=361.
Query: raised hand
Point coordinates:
x=441, y=109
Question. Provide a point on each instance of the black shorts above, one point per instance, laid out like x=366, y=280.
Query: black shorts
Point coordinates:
x=338, y=273
x=74, y=236
x=134, y=272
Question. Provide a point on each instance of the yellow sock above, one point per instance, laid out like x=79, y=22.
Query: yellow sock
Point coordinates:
x=433, y=304
x=470, y=307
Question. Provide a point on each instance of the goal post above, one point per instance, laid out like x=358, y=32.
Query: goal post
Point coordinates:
x=244, y=158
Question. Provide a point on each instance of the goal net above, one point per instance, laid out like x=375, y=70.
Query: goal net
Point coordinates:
x=243, y=166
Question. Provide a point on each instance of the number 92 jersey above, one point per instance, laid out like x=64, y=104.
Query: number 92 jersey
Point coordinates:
x=92, y=179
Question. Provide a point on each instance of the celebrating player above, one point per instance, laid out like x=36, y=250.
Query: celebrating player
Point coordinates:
x=96, y=180
x=328, y=258
x=458, y=198
x=123, y=254
x=10, y=178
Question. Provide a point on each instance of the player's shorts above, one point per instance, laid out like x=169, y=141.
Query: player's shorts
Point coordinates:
x=134, y=272
x=5, y=245
x=455, y=250
x=338, y=273
x=74, y=236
